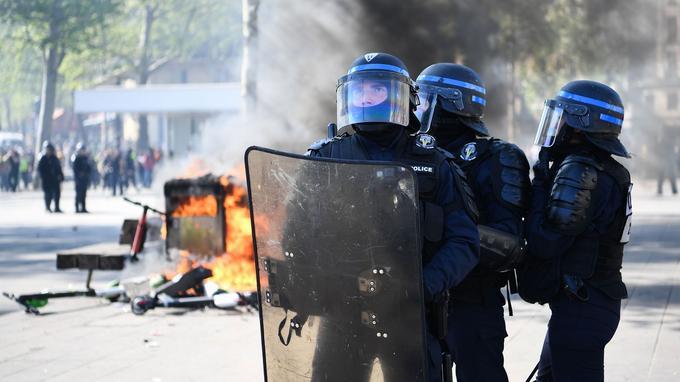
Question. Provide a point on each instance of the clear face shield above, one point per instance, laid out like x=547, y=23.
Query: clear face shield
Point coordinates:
x=429, y=97
x=555, y=116
x=372, y=97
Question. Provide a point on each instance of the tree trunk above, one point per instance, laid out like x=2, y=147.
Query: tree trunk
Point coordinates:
x=8, y=112
x=143, y=69
x=249, y=62
x=53, y=55
x=47, y=96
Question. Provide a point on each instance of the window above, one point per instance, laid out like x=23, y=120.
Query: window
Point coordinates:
x=649, y=99
x=671, y=29
x=672, y=101
x=671, y=64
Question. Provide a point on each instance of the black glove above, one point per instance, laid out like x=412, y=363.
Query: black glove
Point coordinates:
x=541, y=168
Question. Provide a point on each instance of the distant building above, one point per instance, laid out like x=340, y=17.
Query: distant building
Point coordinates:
x=653, y=103
x=178, y=98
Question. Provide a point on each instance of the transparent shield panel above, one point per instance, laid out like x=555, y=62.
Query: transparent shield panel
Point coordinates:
x=364, y=99
x=551, y=122
x=425, y=111
x=339, y=267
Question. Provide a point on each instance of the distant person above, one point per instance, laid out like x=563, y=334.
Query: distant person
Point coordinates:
x=4, y=171
x=129, y=176
x=112, y=168
x=25, y=171
x=95, y=175
x=148, y=162
x=668, y=165
x=13, y=176
x=51, y=175
x=82, y=171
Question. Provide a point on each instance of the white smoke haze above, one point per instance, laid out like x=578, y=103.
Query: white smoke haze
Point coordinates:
x=303, y=48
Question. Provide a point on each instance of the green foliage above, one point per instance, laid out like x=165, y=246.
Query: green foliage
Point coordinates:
x=20, y=73
x=100, y=40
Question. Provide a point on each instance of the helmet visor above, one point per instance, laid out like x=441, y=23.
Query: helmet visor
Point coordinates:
x=425, y=109
x=372, y=97
x=552, y=120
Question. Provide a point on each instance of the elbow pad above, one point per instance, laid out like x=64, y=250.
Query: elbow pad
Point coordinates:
x=571, y=194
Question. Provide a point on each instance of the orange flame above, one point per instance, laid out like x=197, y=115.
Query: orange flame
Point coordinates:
x=233, y=270
x=196, y=206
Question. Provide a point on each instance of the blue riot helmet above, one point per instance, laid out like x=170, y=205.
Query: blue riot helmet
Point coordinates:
x=451, y=89
x=377, y=90
x=588, y=106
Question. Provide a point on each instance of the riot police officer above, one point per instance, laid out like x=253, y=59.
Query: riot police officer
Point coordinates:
x=452, y=100
x=377, y=99
x=578, y=224
x=51, y=176
x=81, y=175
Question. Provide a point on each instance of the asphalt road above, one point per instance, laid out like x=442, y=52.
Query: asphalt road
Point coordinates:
x=85, y=339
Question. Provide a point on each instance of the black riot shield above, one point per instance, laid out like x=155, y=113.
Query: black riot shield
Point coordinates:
x=339, y=268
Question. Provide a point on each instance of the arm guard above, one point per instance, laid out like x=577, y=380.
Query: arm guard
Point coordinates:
x=570, y=198
x=465, y=192
x=502, y=251
x=512, y=185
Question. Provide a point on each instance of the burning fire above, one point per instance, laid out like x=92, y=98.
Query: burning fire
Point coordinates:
x=233, y=270
x=197, y=206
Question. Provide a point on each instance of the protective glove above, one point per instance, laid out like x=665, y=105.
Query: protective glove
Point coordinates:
x=541, y=168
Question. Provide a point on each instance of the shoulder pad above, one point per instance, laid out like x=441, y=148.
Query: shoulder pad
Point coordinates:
x=617, y=171
x=465, y=192
x=317, y=145
x=571, y=194
x=584, y=160
x=512, y=184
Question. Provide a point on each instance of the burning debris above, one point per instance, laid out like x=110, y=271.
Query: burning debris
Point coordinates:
x=207, y=230
x=208, y=224
x=188, y=290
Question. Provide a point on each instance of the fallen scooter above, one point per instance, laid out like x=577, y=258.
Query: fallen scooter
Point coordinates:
x=93, y=258
x=173, y=294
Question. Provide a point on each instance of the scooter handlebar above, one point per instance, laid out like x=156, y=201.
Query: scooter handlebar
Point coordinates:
x=143, y=205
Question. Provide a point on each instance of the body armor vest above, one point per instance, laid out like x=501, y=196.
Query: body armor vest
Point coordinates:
x=510, y=188
x=596, y=255
x=426, y=162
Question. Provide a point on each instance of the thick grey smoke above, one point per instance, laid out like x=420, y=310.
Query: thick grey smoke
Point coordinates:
x=305, y=45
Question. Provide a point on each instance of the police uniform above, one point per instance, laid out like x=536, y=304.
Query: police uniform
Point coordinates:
x=449, y=234
x=498, y=173
x=587, y=204
x=452, y=105
x=579, y=222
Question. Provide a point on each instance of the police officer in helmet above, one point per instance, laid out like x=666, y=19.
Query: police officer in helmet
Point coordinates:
x=578, y=224
x=452, y=100
x=377, y=99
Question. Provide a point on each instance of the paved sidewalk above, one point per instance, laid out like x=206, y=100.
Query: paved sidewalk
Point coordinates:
x=84, y=339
